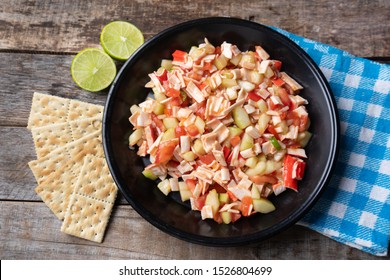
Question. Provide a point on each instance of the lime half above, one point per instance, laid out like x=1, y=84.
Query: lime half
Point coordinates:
x=120, y=39
x=92, y=69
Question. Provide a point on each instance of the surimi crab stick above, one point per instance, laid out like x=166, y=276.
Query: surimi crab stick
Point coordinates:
x=225, y=128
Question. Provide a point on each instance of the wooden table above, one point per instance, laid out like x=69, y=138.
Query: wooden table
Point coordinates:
x=38, y=40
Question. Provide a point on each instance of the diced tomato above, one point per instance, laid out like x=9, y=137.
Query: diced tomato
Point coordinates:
x=165, y=151
x=180, y=131
x=168, y=112
x=175, y=101
x=207, y=66
x=171, y=92
x=278, y=82
x=261, y=179
x=207, y=159
x=217, y=50
x=200, y=111
x=288, y=166
x=254, y=96
x=235, y=140
x=192, y=130
x=200, y=201
x=191, y=184
x=272, y=105
x=218, y=218
x=277, y=64
x=245, y=205
x=284, y=96
x=226, y=152
x=173, y=163
x=179, y=56
x=272, y=130
x=158, y=123
x=202, y=85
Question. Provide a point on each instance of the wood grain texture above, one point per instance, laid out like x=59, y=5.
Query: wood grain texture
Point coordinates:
x=130, y=237
x=16, y=179
x=68, y=26
x=24, y=73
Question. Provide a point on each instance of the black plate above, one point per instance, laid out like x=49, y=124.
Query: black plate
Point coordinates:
x=175, y=218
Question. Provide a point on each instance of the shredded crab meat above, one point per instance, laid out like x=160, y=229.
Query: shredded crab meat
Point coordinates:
x=226, y=129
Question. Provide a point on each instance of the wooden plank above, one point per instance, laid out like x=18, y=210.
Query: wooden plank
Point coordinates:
x=16, y=179
x=130, y=237
x=360, y=27
x=23, y=73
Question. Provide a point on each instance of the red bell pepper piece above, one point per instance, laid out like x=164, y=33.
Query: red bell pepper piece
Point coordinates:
x=192, y=130
x=180, y=131
x=288, y=167
x=171, y=92
x=254, y=96
x=179, y=56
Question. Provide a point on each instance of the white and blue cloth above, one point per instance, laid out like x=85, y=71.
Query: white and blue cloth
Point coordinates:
x=355, y=207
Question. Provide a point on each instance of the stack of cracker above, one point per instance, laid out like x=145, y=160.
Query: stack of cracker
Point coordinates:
x=72, y=174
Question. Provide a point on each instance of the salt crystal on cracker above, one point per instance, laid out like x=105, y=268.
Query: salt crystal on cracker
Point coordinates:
x=91, y=202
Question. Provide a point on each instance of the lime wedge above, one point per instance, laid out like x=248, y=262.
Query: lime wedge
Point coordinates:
x=92, y=69
x=120, y=39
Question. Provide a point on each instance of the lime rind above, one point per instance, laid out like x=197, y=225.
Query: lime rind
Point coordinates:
x=121, y=39
x=93, y=70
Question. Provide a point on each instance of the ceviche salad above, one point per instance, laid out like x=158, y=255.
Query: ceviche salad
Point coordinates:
x=226, y=129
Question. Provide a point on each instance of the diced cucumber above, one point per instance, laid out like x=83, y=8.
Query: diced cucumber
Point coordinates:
x=304, y=138
x=200, y=124
x=258, y=170
x=158, y=108
x=185, y=193
x=241, y=118
x=198, y=147
x=223, y=198
x=272, y=166
x=189, y=156
x=149, y=174
x=220, y=62
x=169, y=134
x=255, y=192
x=246, y=142
x=164, y=187
x=226, y=217
x=263, y=122
x=166, y=63
x=262, y=105
x=236, y=59
x=135, y=136
x=263, y=205
x=213, y=200
x=159, y=96
x=170, y=122
x=251, y=162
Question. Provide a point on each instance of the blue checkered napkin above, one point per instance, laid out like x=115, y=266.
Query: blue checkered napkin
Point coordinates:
x=355, y=207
